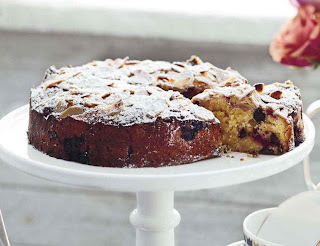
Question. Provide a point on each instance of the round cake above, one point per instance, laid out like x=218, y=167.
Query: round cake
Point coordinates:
x=110, y=113
x=128, y=113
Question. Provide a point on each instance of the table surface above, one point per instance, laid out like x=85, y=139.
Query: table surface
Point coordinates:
x=80, y=217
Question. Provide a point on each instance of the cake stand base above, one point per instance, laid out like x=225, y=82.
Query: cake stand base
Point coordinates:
x=155, y=218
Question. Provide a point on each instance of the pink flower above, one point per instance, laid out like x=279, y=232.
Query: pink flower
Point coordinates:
x=298, y=41
x=298, y=3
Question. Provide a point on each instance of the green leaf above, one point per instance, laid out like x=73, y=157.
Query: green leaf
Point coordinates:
x=314, y=63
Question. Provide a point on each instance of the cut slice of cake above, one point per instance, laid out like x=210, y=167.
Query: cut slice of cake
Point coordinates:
x=264, y=119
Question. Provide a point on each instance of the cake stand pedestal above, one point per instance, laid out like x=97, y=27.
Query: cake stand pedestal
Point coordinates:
x=155, y=217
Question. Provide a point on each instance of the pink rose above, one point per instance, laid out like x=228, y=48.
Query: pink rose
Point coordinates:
x=298, y=41
x=299, y=3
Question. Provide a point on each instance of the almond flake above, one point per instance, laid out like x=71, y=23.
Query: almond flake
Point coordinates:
x=115, y=108
x=276, y=94
x=54, y=84
x=71, y=111
x=59, y=108
x=259, y=87
x=76, y=74
x=106, y=95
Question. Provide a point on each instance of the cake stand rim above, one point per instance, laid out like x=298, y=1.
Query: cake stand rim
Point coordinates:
x=150, y=182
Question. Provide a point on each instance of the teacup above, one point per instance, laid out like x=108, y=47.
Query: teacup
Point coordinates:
x=299, y=216
x=252, y=225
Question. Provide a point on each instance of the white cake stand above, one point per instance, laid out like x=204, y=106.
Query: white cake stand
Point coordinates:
x=155, y=217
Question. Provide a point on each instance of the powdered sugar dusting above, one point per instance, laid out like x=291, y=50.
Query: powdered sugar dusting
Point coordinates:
x=288, y=102
x=282, y=99
x=120, y=92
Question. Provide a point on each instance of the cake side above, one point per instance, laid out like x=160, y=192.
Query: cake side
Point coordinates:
x=256, y=119
x=160, y=143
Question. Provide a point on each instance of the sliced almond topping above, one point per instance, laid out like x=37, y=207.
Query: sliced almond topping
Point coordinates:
x=177, y=69
x=71, y=111
x=154, y=115
x=86, y=95
x=162, y=78
x=106, y=95
x=259, y=87
x=230, y=81
x=182, y=83
x=115, y=108
x=92, y=63
x=202, y=79
x=109, y=62
x=91, y=104
x=179, y=64
x=276, y=95
x=59, y=108
x=208, y=75
x=54, y=84
x=131, y=62
x=235, y=84
x=76, y=74
x=194, y=60
x=150, y=116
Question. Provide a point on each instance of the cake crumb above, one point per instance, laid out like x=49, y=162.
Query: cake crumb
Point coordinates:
x=241, y=159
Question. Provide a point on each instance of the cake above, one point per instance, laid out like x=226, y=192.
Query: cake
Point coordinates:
x=129, y=113
x=107, y=114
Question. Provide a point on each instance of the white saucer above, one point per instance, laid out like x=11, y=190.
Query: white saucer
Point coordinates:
x=240, y=243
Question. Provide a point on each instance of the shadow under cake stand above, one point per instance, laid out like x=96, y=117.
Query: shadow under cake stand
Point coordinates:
x=155, y=217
